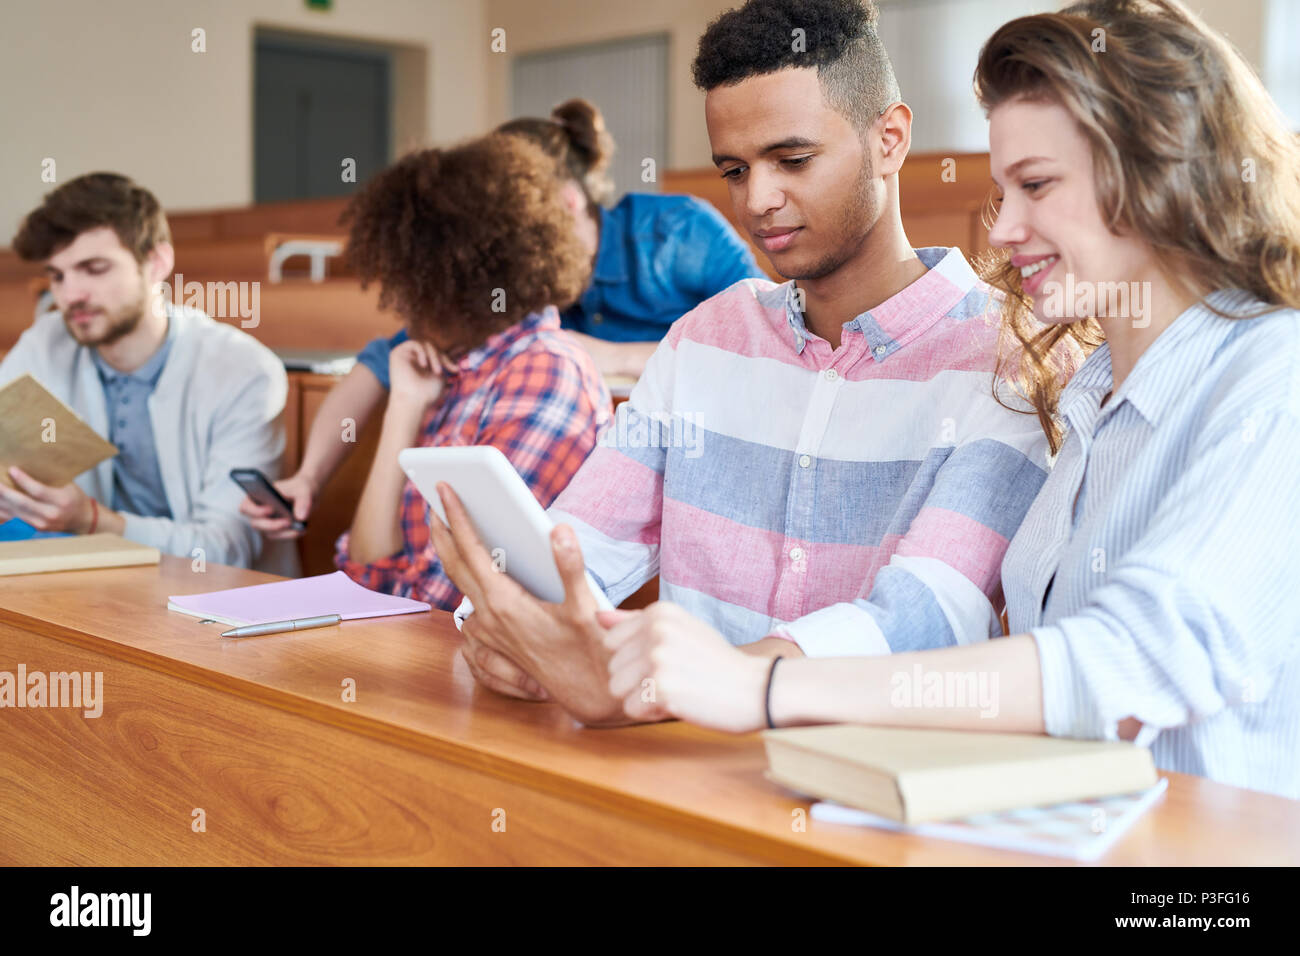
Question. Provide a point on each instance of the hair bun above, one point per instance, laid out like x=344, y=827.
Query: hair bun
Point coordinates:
x=585, y=128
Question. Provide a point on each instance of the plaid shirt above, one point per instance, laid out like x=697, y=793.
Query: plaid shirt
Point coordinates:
x=530, y=391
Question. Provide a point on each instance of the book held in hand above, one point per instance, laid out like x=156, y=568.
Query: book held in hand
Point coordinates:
x=44, y=437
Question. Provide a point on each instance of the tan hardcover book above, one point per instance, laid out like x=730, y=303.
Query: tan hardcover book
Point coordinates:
x=73, y=553
x=44, y=437
x=914, y=776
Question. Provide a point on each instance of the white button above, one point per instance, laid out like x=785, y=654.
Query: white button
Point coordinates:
x=805, y=461
x=796, y=554
x=831, y=375
x=880, y=351
x=598, y=318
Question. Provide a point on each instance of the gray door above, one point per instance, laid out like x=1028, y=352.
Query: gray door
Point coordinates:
x=314, y=109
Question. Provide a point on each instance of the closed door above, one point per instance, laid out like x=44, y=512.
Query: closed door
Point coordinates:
x=315, y=110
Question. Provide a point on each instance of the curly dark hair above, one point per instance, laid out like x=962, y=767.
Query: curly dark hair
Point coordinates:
x=89, y=202
x=839, y=39
x=466, y=241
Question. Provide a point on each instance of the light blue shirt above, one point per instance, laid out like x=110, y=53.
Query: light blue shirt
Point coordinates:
x=1175, y=575
x=137, y=478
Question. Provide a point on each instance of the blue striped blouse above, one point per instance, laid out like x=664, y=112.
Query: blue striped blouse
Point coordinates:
x=1159, y=568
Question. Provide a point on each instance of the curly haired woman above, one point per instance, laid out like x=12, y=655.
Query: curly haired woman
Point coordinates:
x=474, y=247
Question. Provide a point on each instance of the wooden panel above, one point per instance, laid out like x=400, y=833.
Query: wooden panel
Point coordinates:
x=275, y=788
x=257, y=730
x=17, y=309
x=335, y=314
x=294, y=440
x=11, y=267
x=308, y=216
x=333, y=512
x=248, y=258
x=940, y=228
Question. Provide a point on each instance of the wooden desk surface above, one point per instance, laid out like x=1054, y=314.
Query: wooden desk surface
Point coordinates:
x=424, y=766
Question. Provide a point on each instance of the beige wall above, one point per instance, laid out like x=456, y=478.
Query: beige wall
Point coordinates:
x=1241, y=21
x=534, y=25
x=99, y=85
x=114, y=85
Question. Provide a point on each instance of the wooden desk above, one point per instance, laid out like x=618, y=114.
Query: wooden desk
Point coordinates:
x=256, y=734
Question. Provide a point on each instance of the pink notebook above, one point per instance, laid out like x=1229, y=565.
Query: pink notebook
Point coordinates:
x=290, y=600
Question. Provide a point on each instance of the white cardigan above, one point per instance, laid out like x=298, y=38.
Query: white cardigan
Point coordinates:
x=218, y=405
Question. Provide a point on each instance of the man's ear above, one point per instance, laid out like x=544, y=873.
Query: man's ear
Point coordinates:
x=159, y=262
x=894, y=137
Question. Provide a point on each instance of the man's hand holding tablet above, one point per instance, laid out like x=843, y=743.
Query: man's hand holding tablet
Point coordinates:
x=517, y=644
x=533, y=632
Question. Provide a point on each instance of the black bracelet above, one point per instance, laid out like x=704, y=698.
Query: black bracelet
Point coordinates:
x=767, y=705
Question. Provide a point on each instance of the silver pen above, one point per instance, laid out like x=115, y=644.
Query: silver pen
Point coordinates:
x=275, y=627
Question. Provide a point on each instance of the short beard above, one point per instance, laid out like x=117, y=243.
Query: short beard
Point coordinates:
x=121, y=323
x=859, y=212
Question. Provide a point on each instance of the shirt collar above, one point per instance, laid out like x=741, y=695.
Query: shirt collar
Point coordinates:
x=1080, y=402
x=611, y=254
x=902, y=318
x=148, y=373
x=548, y=319
x=1181, y=354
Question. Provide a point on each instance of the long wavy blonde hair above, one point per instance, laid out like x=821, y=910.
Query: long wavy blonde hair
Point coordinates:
x=1189, y=153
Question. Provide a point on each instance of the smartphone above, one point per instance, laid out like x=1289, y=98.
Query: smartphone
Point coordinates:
x=258, y=487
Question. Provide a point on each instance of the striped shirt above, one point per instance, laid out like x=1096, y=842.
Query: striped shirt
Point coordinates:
x=530, y=391
x=766, y=476
x=1158, y=571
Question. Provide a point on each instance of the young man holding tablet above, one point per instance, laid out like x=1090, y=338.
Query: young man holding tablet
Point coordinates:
x=848, y=444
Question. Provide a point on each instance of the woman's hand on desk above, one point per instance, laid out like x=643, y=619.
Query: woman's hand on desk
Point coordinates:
x=667, y=663
x=301, y=492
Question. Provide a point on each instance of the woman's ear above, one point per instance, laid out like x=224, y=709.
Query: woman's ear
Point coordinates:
x=575, y=200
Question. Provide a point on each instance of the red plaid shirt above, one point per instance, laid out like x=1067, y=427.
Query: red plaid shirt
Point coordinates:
x=530, y=391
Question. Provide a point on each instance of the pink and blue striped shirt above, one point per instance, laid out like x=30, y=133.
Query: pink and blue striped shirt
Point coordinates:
x=856, y=500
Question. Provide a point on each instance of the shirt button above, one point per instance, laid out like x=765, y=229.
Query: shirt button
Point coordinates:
x=880, y=351
x=805, y=461
x=831, y=375
x=796, y=554
x=598, y=318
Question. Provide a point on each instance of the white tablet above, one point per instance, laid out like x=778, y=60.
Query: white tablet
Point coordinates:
x=509, y=521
